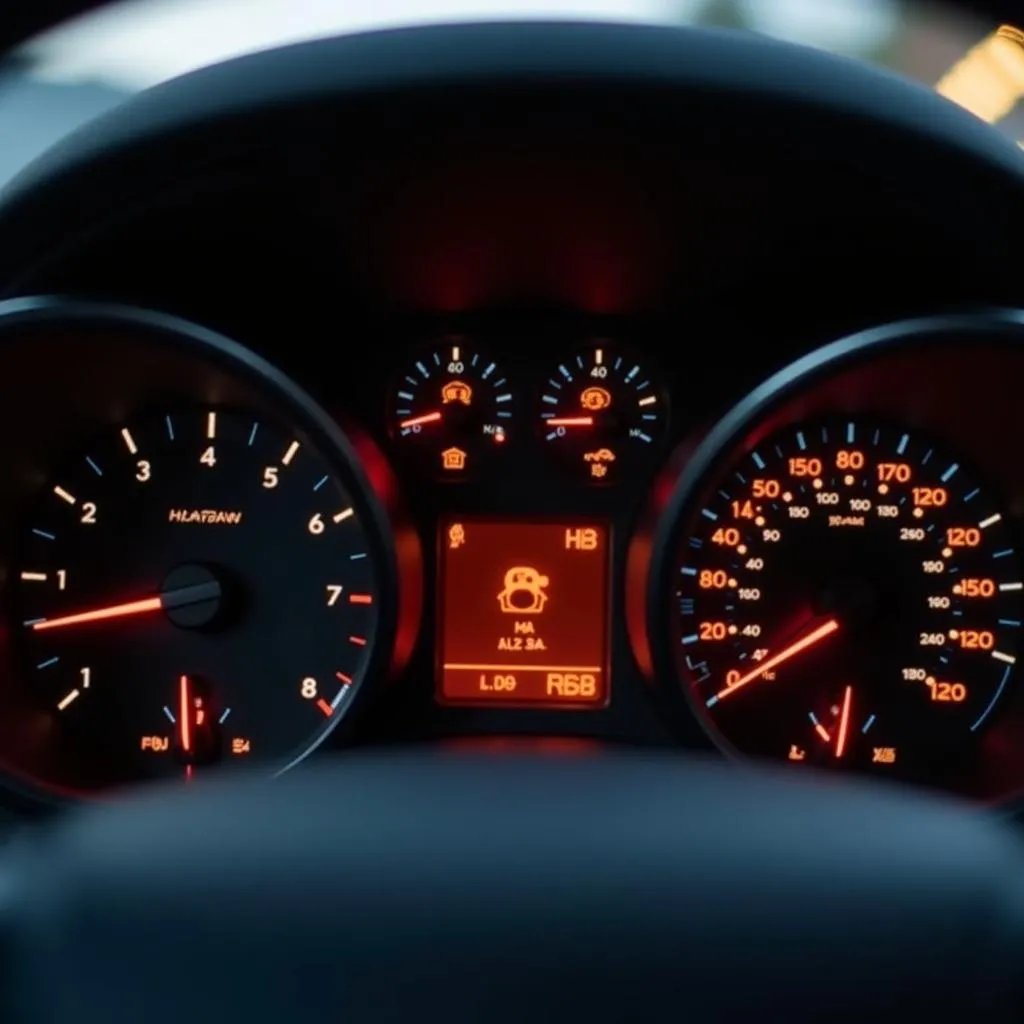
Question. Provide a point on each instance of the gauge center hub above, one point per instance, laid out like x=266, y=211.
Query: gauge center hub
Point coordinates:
x=856, y=599
x=192, y=596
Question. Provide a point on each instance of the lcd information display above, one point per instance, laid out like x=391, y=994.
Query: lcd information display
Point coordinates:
x=524, y=613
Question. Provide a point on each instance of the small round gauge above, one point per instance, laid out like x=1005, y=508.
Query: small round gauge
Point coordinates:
x=847, y=595
x=195, y=588
x=452, y=407
x=602, y=413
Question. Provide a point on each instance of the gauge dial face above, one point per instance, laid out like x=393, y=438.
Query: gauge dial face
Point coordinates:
x=195, y=589
x=602, y=413
x=848, y=596
x=452, y=408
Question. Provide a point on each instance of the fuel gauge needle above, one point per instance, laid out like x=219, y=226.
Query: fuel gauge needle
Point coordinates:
x=185, y=723
x=844, y=722
x=185, y=715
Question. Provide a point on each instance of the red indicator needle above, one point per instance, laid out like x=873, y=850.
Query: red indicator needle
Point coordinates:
x=571, y=421
x=113, y=611
x=418, y=421
x=844, y=722
x=185, y=715
x=795, y=648
x=179, y=597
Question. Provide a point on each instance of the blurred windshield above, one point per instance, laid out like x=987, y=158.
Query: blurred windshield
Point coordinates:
x=64, y=77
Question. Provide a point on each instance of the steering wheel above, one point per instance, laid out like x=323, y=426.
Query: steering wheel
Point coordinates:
x=595, y=888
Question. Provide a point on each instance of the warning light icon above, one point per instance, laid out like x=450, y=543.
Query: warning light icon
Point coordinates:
x=595, y=399
x=457, y=391
x=525, y=591
x=453, y=460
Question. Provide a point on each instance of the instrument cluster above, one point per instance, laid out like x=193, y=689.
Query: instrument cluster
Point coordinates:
x=209, y=568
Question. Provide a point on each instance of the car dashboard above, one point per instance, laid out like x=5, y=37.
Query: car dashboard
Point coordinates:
x=514, y=386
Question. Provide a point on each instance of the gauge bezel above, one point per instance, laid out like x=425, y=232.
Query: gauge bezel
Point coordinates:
x=27, y=321
x=738, y=433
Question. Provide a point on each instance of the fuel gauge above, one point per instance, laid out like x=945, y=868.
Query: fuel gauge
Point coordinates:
x=452, y=407
x=602, y=413
x=844, y=731
x=197, y=732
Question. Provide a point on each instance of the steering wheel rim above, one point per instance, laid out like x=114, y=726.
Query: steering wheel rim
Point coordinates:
x=21, y=22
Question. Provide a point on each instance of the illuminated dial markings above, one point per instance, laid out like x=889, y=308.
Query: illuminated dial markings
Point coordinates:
x=452, y=407
x=601, y=413
x=845, y=580
x=203, y=560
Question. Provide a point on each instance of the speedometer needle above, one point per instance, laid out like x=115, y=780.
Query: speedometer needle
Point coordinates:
x=795, y=648
x=176, y=598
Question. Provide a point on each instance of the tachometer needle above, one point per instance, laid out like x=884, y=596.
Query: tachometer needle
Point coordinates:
x=795, y=648
x=844, y=722
x=114, y=611
x=570, y=421
x=176, y=598
x=419, y=421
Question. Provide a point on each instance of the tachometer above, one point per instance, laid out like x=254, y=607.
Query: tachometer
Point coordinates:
x=847, y=594
x=196, y=587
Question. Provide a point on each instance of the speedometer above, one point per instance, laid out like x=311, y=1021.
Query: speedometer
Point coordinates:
x=847, y=594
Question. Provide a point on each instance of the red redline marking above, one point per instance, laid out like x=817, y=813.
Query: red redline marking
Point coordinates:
x=347, y=680
x=325, y=707
x=359, y=641
x=360, y=599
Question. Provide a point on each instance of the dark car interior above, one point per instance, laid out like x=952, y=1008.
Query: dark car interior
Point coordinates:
x=513, y=521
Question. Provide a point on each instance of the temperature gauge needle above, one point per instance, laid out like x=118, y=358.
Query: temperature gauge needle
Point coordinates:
x=419, y=421
x=177, y=598
x=797, y=647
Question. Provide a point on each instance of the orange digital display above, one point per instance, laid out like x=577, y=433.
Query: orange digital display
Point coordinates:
x=524, y=613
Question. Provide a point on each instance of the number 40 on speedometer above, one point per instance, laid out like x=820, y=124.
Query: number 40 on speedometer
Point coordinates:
x=848, y=595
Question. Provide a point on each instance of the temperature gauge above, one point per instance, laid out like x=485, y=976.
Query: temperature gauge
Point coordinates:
x=602, y=413
x=453, y=406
